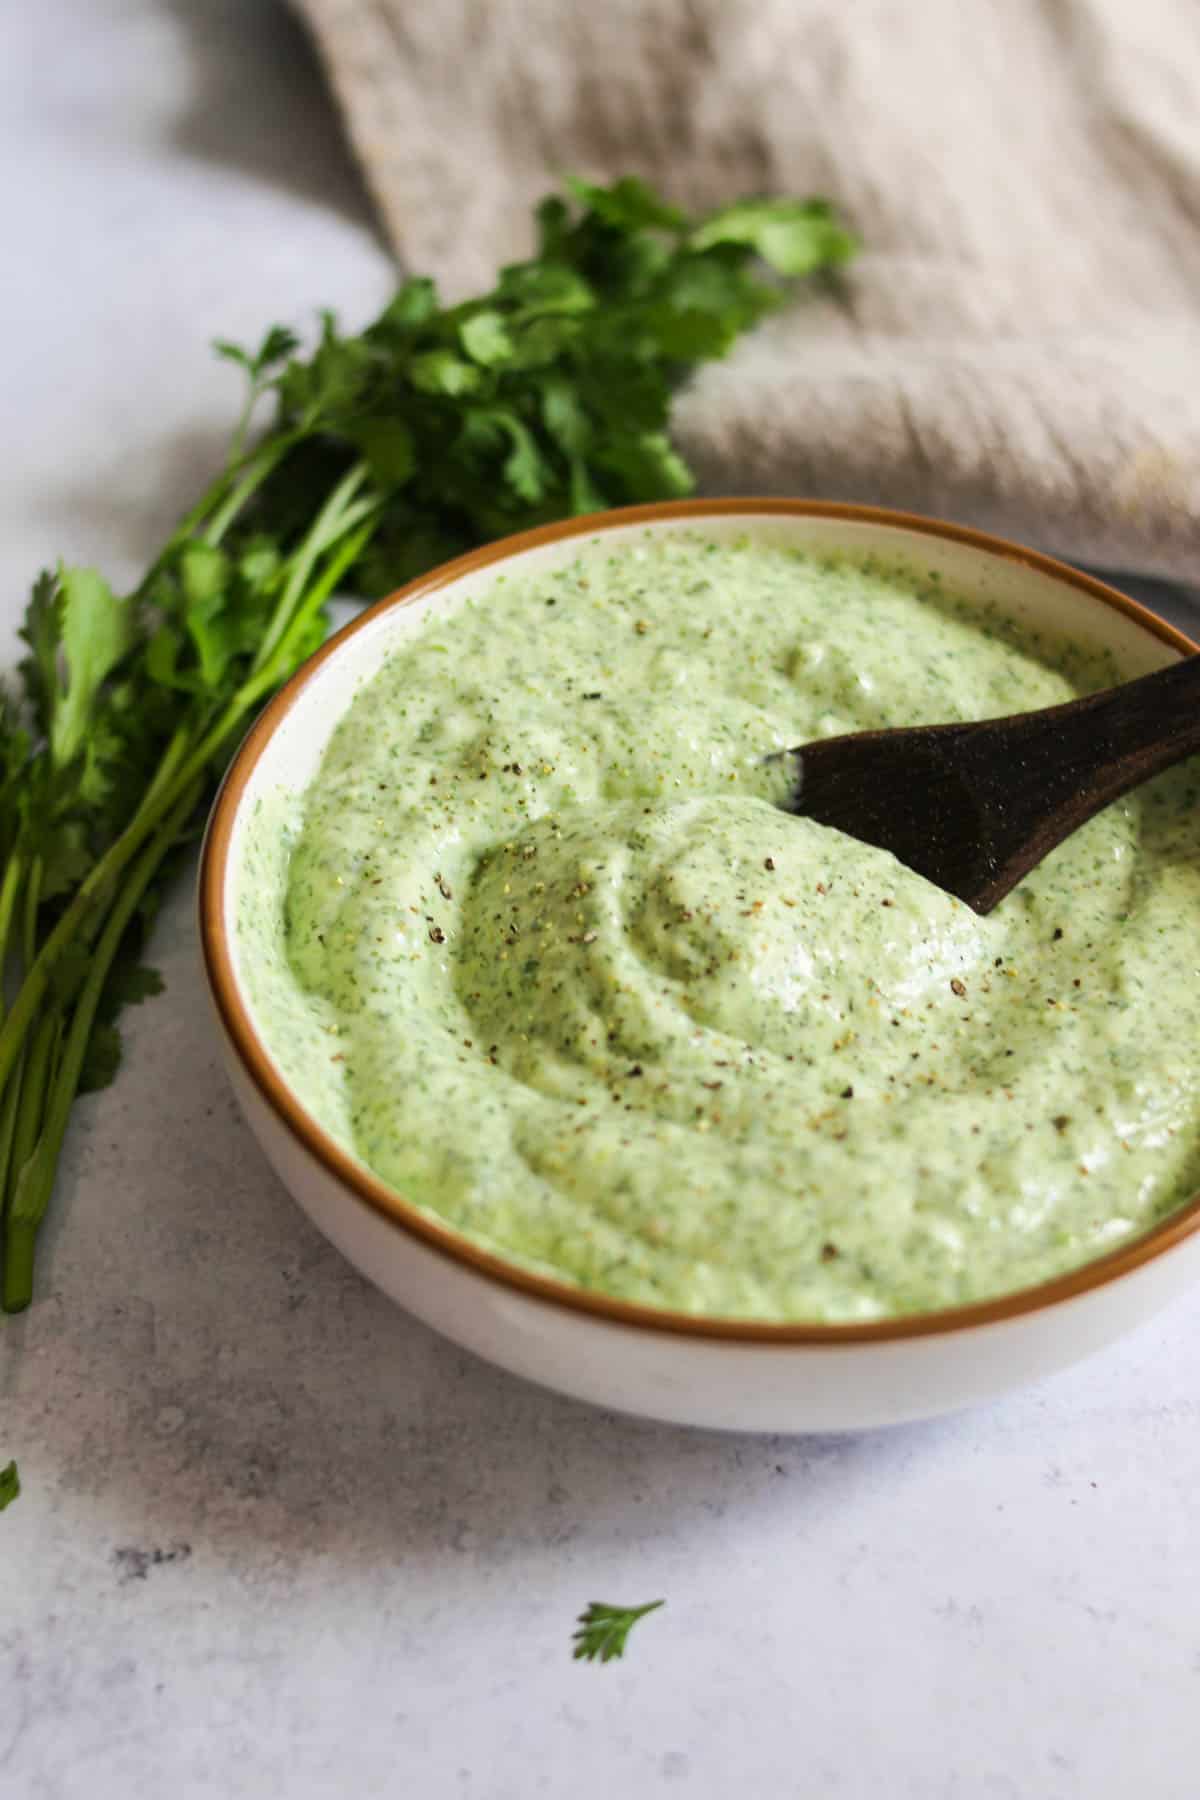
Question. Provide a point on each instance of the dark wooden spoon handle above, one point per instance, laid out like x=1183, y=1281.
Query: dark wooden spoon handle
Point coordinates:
x=997, y=795
x=1091, y=751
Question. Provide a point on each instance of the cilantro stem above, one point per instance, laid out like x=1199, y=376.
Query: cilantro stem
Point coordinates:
x=10, y=889
x=36, y=1177
x=261, y=464
x=34, y=1083
x=253, y=469
x=8, y=1127
x=10, y=895
x=33, y=899
x=254, y=393
x=37, y=975
x=29, y=1079
x=334, y=518
x=348, y=554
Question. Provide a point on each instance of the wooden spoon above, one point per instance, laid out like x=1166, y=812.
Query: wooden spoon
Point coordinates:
x=974, y=807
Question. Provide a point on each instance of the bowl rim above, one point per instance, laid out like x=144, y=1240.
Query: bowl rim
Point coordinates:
x=368, y=1189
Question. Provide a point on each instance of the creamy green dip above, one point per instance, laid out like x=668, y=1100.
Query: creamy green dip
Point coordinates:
x=539, y=947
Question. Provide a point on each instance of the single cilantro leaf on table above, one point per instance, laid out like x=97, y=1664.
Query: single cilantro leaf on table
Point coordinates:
x=602, y=1630
x=10, y=1485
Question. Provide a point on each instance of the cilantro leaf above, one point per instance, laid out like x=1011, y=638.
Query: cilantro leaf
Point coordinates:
x=485, y=338
x=565, y=416
x=539, y=288
x=77, y=632
x=10, y=1485
x=441, y=372
x=602, y=1630
x=276, y=346
x=66, y=858
x=544, y=341
x=129, y=983
x=688, y=334
x=414, y=304
x=70, y=971
x=389, y=448
x=204, y=577
x=648, y=467
x=332, y=383
x=15, y=747
x=95, y=630
x=628, y=204
x=39, y=670
x=795, y=237
x=524, y=467
x=101, y=1061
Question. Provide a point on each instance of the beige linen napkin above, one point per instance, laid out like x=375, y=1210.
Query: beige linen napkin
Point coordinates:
x=1018, y=345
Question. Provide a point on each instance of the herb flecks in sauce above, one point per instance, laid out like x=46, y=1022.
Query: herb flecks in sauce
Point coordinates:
x=613, y=1015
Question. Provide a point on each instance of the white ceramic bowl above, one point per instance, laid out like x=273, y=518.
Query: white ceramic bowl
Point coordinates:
x=712, y=1372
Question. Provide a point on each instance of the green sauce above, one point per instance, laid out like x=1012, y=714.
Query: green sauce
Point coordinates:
x=541, y=949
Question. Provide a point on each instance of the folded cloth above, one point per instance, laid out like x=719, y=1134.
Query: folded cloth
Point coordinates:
x=1018, y=346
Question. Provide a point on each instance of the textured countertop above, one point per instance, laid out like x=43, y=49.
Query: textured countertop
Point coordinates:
x=275, y=1537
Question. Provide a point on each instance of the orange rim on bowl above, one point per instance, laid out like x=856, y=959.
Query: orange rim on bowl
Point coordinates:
x=400, y=1213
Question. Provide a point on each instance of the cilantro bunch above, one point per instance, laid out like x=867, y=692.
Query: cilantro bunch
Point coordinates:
x=433, y=430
